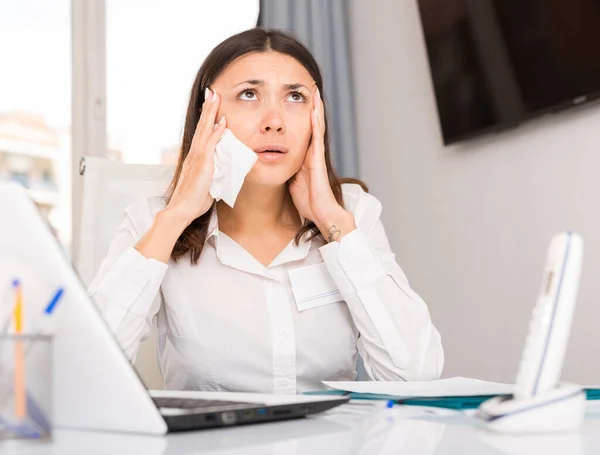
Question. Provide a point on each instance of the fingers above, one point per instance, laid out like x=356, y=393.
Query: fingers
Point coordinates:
x=209, y=113
x=212, y=140
x=317, y=141
x=205, y=126
x=318, y=106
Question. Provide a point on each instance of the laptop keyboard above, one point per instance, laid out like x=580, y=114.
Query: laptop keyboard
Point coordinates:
x=201, y=403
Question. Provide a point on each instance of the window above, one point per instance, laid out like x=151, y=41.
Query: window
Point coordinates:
x=20, y=177
x=153, y=52
x=35, y=105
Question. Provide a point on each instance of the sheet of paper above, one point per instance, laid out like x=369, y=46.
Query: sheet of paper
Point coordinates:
x=451, y=387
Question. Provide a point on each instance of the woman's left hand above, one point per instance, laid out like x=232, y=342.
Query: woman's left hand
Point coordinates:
x=310, y=189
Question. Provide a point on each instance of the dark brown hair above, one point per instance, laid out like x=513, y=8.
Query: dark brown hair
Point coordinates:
x=250, y=41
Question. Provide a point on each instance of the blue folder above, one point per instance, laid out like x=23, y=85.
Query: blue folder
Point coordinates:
x=459, y=403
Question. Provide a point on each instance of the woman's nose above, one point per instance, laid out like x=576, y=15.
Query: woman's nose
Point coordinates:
x=273, y=122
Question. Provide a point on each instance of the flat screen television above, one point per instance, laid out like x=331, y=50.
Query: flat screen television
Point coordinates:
x=497, y=63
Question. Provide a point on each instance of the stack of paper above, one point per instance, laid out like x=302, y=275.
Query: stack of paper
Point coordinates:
x=452, y=387
x=454, y=393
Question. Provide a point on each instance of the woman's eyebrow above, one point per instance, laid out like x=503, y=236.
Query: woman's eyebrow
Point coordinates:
x=251, y=82
x=259, y=82
x=295, y=86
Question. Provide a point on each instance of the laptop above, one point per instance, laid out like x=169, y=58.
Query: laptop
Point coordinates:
x=95, y=386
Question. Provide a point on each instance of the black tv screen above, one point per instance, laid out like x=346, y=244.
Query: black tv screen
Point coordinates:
x=496, y=63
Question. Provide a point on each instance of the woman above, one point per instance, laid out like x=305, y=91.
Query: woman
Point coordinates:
x=287, y=288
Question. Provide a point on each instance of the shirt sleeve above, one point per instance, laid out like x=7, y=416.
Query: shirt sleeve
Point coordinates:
x=126, y=288
x=397, y=339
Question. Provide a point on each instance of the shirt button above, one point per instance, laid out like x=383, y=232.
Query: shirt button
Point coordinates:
x=284, y=332
x=285, y=382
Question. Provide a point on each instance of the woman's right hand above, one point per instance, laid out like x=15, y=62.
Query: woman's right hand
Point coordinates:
x=191, y=197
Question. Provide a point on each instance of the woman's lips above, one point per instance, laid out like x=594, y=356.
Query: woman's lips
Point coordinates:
x=271, y=152
x=270, y=155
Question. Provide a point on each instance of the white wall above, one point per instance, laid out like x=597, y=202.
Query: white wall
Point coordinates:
x=470, y=223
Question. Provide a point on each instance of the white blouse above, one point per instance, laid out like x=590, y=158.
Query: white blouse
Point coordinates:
x=232, y=324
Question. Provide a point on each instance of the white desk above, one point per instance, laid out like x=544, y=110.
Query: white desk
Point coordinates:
x=338, y=432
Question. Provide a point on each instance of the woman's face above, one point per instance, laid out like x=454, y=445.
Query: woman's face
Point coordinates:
x=267, y=98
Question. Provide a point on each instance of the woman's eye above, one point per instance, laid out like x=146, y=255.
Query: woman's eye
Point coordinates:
x=248, y=95
x=297, y=97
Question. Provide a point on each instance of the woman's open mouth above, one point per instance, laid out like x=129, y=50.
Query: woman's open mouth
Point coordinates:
x=271, y=152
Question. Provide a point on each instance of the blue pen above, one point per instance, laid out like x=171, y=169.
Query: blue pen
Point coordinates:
x=52, y=305
x=42, y=329
x=48, y=311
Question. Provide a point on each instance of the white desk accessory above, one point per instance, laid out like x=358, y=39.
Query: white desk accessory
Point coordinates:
x=540, y=403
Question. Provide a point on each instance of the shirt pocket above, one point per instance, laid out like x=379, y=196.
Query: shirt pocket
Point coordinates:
x=313, y=287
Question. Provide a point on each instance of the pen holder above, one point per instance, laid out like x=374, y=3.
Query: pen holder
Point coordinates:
x=25, y=386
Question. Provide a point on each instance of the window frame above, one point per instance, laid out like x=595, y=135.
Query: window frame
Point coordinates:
x=88, y=95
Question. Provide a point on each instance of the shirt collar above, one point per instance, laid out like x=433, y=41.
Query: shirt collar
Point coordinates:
x=213, y=224
x=290, y=253
x=293, y=252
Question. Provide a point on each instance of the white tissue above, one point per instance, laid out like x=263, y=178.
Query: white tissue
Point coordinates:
x=233, y=161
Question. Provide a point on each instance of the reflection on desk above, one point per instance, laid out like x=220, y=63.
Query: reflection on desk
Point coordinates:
x=349, y=429
x=385, y=432
x=568, y=443
x=372, y=431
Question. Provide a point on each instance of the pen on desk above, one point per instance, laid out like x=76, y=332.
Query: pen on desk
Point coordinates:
x=19, y=374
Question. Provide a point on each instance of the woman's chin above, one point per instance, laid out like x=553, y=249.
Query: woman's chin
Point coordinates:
x=267, y=178
x=265, y=183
